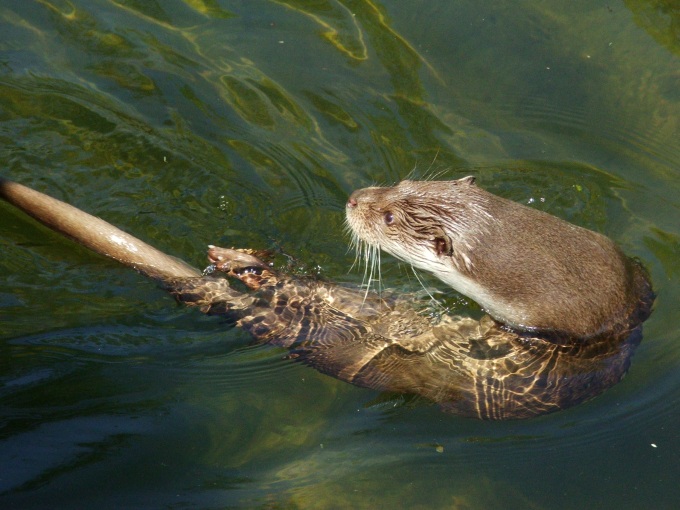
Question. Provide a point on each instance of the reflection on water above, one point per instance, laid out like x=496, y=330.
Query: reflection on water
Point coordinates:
x=195, y=122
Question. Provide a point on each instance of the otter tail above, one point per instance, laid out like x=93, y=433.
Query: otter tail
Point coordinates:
x=95, y=233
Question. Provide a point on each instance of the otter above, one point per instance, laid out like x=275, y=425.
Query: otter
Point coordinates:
x=530, y=271
x=475, y=368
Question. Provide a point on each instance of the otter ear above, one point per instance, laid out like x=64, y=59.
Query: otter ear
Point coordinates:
x=468, y=181
x=443, y=246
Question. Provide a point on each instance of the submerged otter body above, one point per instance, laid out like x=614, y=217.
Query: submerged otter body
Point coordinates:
x=474, y=368
x=531, y=271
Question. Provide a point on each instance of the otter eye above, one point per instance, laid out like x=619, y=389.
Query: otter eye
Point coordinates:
x=389, y=218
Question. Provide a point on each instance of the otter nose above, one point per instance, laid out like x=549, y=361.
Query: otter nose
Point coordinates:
x=352, y=200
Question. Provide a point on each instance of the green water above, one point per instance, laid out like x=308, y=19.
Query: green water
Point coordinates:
x=240, y=123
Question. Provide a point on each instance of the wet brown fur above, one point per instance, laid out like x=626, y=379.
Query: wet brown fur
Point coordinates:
x=528, y=269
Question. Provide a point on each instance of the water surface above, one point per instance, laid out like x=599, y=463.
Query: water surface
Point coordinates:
x=202, y=122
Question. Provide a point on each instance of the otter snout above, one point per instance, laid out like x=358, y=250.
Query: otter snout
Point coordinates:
x=356, y=197
x=363, y=212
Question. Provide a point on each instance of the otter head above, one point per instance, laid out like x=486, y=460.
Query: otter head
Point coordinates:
x=432, y=225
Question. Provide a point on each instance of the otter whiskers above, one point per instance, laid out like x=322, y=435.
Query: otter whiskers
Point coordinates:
x=369, y=256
